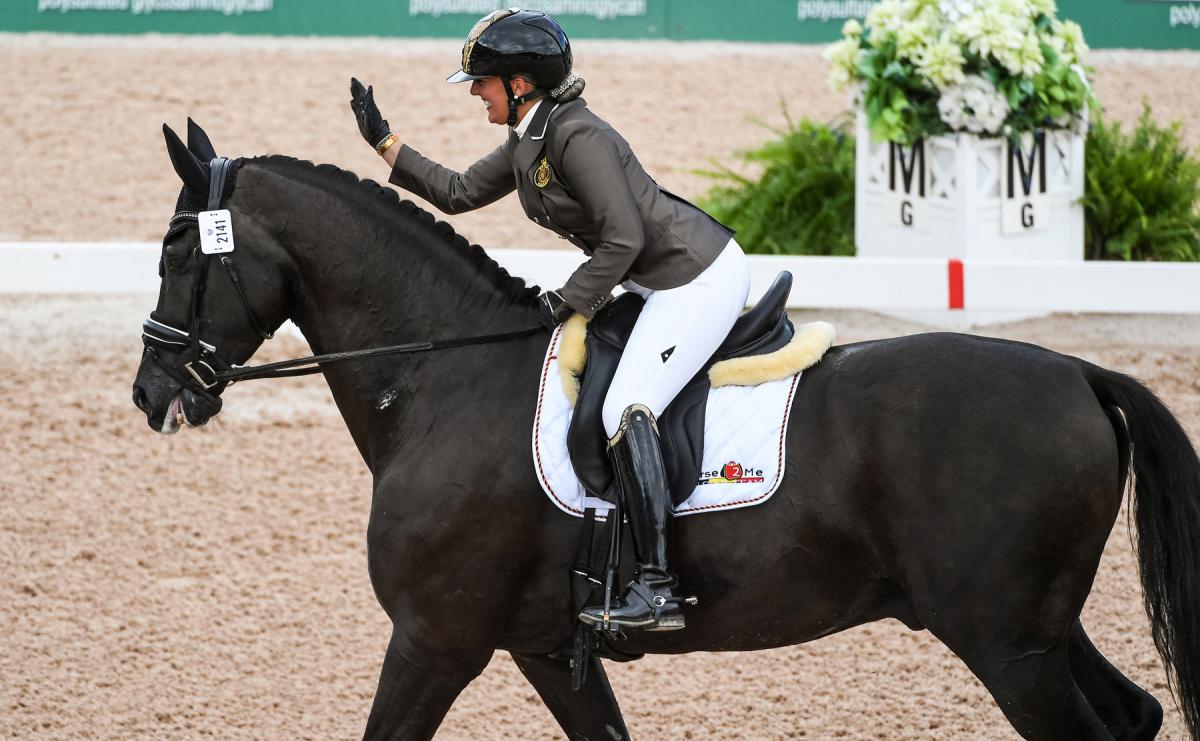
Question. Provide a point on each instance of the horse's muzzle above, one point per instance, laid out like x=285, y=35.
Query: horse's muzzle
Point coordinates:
x=155, y=392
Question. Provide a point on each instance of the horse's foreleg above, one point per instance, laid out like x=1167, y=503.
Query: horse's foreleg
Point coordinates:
x=590, y=713
x=416, y=689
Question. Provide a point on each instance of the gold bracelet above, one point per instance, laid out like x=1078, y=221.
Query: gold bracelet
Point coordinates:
x=387, y=142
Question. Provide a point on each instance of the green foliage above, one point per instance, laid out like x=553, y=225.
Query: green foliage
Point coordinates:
x=1140, y=200
x=1142, y=192
x=803, y=204
x=900, y=104
x=1055, y=95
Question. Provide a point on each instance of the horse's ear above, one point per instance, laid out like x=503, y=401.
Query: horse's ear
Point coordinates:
x=199, y=142
x=188, y=167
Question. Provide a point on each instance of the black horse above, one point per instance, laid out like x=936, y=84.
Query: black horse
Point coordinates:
x=959, y=484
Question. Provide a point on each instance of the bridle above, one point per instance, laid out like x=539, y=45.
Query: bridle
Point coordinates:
x=203, y=365
x=203, y=369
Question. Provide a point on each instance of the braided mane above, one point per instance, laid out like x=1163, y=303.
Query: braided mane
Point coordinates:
x=512, y=287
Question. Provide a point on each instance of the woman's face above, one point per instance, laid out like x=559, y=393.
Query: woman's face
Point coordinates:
x=491, y=91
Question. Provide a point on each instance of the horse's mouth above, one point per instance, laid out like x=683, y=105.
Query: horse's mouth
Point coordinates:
x=173, y=418
x=185, y=410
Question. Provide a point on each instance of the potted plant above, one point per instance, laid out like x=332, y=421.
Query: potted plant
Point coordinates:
x=971, y=115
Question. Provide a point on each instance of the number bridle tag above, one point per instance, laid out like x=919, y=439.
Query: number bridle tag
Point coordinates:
x=216, y=231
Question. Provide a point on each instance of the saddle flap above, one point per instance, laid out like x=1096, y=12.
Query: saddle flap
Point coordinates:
x=607, y=334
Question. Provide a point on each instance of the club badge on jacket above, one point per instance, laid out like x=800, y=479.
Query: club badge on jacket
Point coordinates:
x=541, y=176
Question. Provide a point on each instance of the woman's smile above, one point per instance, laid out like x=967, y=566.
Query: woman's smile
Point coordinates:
x=495, y=101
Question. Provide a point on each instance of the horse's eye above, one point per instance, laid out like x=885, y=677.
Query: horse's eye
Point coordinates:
x=176, y=258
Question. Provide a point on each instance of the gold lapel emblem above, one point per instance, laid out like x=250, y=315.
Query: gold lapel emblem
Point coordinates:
x=541, y=176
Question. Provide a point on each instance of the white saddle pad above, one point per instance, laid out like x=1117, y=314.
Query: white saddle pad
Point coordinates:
x=744, y=437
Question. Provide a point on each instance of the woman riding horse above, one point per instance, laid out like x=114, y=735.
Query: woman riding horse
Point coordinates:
x=576, y=176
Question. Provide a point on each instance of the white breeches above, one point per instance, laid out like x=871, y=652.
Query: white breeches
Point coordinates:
x=675, y=335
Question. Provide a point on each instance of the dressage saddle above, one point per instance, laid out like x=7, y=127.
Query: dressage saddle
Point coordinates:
x=763, y=329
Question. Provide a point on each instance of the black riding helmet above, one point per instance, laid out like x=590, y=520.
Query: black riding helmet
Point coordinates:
x=513, y=41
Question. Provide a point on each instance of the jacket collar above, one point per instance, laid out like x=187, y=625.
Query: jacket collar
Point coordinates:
x=530, y=145
x=523, y=125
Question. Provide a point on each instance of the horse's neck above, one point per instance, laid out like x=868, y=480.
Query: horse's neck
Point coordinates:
x=366, y=279
x=370, y=274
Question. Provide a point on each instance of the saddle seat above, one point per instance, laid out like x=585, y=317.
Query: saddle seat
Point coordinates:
x=763, y=329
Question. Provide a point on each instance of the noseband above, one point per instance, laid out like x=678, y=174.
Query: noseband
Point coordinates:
x=203, y=369
x=200, y=359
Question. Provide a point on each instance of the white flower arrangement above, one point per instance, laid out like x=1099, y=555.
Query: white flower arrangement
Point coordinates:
x=973, y=105
x=988, y=67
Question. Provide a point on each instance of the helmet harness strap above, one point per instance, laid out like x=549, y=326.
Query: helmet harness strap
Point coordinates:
x=514, y=101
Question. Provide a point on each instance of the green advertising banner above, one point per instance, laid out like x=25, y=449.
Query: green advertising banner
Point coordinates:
x=1144, y=24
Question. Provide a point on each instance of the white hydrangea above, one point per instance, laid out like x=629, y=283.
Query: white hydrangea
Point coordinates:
x=986, y=30
x=973, y=105
x=915, y=35
x=1025, y=60
x=852, y=29
x=914, y=9
x=1053, y=38
x=942, y=62
x=1016, y=9
x=954, y=10
x=1042, y=7
x=843, y=62
x=1072, y=36
x=885, y=20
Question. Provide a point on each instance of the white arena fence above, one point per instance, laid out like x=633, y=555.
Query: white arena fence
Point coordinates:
x=931, y=287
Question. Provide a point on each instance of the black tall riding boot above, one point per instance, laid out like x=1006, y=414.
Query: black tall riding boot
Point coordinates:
x=637, y=459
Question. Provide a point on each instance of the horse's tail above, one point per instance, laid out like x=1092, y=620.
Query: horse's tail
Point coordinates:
x=1166, y=507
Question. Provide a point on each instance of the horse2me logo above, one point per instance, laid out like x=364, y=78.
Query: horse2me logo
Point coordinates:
x=731, y=473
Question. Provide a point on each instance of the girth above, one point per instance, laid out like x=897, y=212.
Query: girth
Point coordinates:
x=763, y=329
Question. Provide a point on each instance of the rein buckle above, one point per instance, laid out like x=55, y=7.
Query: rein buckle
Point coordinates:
x=190, y=368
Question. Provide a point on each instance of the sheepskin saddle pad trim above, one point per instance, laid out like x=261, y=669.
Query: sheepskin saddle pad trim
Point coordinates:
x=807, y=346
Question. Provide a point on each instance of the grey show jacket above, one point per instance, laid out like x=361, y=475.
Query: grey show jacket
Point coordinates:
x=577, y=177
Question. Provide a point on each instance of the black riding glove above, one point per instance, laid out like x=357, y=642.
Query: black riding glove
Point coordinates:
x=553, y=309
x=371, y=123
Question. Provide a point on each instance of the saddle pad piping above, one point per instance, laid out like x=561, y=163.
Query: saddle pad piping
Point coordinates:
x=537, y=421
x=683, y=510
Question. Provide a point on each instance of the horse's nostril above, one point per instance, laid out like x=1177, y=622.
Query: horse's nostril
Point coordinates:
x=140, y=400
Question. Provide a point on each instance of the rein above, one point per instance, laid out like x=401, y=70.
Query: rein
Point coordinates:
x=206, y=367
x=309, y=365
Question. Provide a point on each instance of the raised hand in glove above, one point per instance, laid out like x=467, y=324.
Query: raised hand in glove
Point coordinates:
x=553, y=309
x=371, y=123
